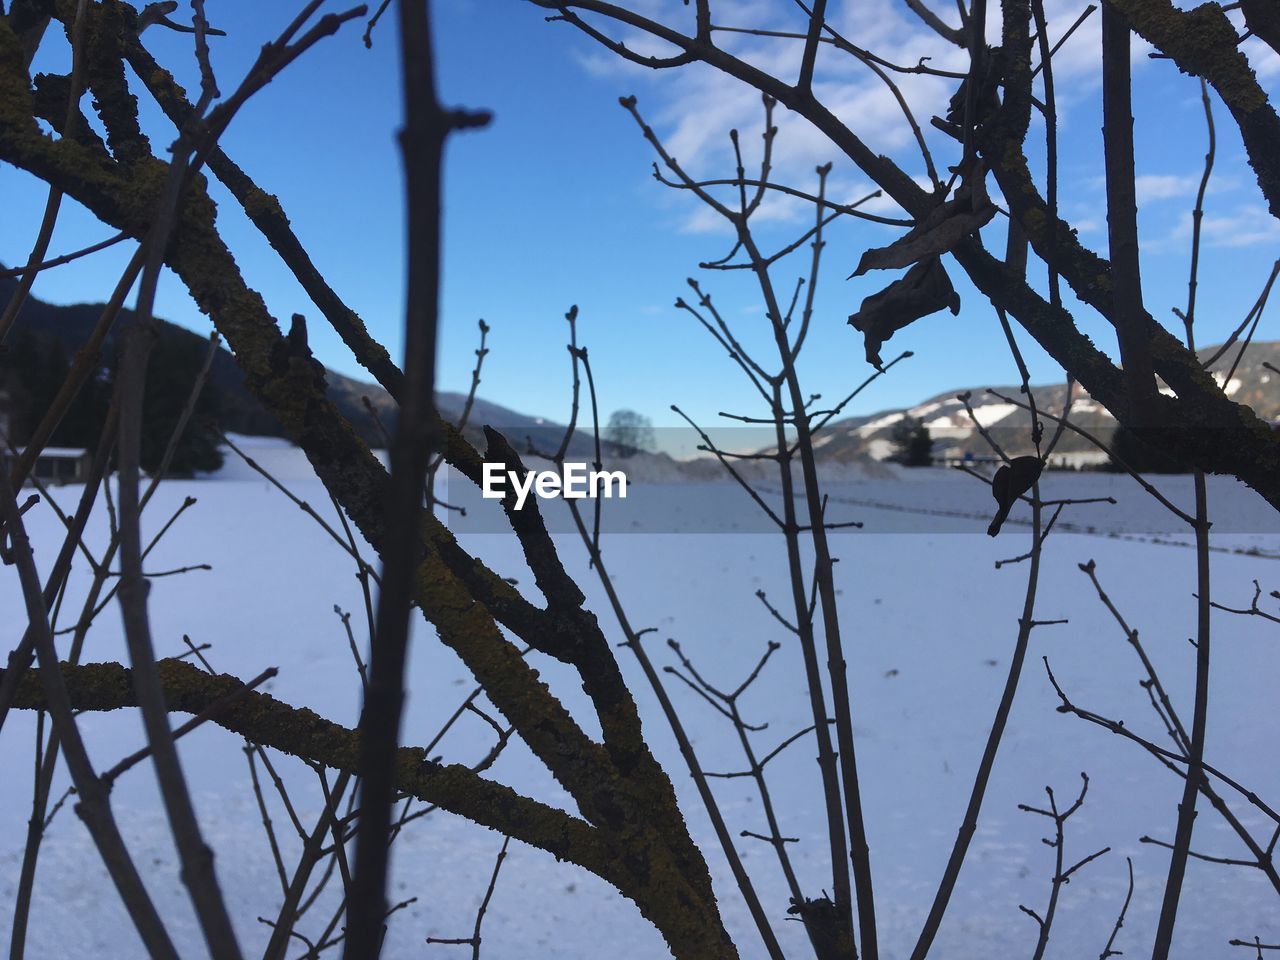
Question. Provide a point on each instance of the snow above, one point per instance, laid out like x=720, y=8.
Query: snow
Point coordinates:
x=1232, y=386
x=925, y=409
x=888, y=420
x=989, y=413
x=57, y=452
x=929, y=627
x=881, y=449
x=277, y=456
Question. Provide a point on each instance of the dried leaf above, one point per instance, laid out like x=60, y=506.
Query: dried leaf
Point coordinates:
x=945, y=226
x=1012, y=481
x=923, y=290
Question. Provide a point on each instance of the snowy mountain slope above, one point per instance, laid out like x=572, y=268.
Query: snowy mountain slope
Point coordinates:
x=850, y=439
x=1252, y=383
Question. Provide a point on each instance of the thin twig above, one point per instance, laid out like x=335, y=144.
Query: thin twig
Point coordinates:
x=426, y=127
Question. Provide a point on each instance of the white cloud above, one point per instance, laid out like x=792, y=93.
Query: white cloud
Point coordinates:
x=1246, y=226
x=1164, y=186
x=1264, y=60
x=693, y=108
x=1154, y=187
x=704, y=220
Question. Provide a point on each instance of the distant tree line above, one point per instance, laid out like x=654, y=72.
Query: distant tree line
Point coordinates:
x=34, y=367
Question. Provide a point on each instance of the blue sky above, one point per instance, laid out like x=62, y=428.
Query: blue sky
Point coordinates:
x=555, y=204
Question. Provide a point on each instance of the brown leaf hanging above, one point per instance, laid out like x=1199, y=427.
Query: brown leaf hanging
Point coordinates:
x=923, y=290
x=945, y=226
x=1012, y=481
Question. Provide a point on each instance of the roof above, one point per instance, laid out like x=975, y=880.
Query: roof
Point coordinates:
x=60, y=453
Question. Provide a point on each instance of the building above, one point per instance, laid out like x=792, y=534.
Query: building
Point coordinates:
x=55, y=464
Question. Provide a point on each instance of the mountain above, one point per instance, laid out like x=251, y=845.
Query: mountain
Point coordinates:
x=240, y=412
x=855, y=438
x=1252, y=383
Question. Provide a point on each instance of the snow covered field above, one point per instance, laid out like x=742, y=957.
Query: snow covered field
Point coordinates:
x=930, y=624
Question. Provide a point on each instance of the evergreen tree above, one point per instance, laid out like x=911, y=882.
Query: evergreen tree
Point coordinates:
x=81, y=424
x=25, y=368
x=173, y=366
x=913, y=446
x=34, y=372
